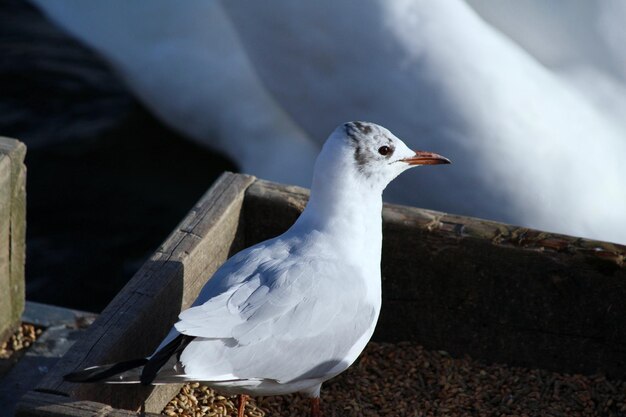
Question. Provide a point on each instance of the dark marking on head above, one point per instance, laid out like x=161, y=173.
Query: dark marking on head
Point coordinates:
x=351, y=132
x=361, y=156
x=364, y=128
x=356, y=129
x=362, y=136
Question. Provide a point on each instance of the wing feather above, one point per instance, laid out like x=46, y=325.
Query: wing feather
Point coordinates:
x=275, y=319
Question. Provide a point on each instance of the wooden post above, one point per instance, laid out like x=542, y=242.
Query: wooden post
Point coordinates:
x=12, y=234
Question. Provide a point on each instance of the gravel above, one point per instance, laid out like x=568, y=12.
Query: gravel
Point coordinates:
x=405, y=379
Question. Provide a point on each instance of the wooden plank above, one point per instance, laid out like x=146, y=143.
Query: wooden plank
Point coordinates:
x=271, y=208
x=7, y=321
x=62, y=327
x=498, y=292
x=38, y=404
x=12, y=233
x=18, y=229
x=503, y=293
x=144, y=311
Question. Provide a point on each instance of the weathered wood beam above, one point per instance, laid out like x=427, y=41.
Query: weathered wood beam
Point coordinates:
x=12, y=234
x=39, y=404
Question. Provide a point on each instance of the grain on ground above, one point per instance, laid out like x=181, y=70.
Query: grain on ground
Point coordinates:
x=405, y=379
x=25, y=335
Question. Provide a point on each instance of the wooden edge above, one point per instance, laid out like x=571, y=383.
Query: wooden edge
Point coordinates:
x=450, y=226
x=13, y=147
x=39, y=404
x=18, y=229
x=13, y=152
x=142, y=313
x=8, y=322
x=506, y=235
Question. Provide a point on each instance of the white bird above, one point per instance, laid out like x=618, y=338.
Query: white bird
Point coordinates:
x=536, y=100
x=289, y=313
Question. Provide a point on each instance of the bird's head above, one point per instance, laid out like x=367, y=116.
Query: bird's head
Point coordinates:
x=372, y=154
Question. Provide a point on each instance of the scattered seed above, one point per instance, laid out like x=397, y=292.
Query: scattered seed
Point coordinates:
x=406, y=380
x=25, y=335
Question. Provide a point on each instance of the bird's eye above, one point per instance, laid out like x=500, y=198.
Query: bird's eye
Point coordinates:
x=384, y=150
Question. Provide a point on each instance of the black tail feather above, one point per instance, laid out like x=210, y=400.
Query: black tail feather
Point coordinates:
x=104, y=372
x=171, y=351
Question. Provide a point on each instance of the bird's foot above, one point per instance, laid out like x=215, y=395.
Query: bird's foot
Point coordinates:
x=243, y=398
x=315, y=407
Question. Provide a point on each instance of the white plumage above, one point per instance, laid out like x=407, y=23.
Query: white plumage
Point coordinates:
x=289, y=313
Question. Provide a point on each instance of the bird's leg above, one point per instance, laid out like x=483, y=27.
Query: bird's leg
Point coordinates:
x=243, y=398
x=315, y=407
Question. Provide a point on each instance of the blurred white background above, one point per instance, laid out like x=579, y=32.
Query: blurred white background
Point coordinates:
x=527, y=97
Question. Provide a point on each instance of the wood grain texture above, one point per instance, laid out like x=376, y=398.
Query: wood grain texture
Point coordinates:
x=12, y=233
x=7, y=321
x=144, y=311
x=50, y=405
x=498, y=292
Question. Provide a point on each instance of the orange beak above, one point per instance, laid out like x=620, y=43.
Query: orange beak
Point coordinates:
x=426, y=158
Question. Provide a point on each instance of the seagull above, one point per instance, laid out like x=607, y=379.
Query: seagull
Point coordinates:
x=290, y=313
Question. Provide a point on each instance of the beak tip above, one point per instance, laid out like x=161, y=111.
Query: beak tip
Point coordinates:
x=427, y=158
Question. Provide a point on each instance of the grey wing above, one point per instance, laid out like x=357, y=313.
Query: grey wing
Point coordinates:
x=214, y=312
x=284, y=322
